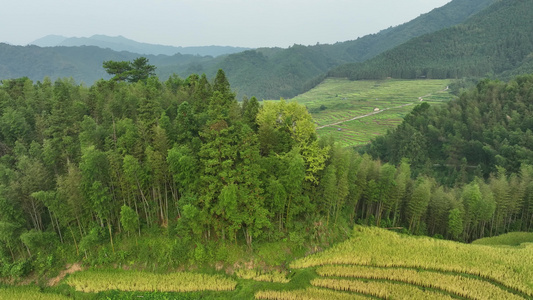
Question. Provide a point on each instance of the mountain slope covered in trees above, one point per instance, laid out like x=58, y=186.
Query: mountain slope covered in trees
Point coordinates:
x=492, y=42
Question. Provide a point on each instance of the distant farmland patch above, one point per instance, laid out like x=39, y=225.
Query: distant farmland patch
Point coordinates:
x=378, y=105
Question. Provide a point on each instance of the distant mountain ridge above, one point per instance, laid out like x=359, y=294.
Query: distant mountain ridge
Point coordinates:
x=83, y=64
x=120, y=43
x=267, y=73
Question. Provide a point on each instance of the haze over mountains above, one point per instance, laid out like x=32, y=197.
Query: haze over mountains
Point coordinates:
x=120, y=43
x=452, y=41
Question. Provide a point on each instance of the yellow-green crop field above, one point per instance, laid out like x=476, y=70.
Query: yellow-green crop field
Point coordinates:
x=270, y=276
x=384, y=264
x=308, y=294
x=372, y=263
x=340, y=100
x=94, y=281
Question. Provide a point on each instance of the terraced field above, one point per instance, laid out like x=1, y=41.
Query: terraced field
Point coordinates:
x=383, y=264
x=97, y=281
x=342, y=100
x=373, y=264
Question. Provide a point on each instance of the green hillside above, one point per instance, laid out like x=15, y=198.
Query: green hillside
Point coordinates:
x=492, y=42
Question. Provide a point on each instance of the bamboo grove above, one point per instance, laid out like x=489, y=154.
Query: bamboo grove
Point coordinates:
x=80, y=165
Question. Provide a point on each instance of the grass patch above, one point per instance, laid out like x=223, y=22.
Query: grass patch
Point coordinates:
x=28, y=292
x=508, y=239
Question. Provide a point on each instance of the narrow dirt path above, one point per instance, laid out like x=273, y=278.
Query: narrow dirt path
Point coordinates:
x=362, y=116
x=69, y=270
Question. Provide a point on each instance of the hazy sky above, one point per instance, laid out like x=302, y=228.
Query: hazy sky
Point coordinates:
x=246, y=23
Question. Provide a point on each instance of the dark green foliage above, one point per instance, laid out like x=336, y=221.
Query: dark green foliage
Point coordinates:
x=134, y=71
x=491, y=42
x=119, y=69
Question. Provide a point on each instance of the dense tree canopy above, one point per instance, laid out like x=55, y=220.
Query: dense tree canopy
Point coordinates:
x=81, y=165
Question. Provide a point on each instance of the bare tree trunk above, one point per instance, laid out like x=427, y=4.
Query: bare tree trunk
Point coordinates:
x=110, y=236
x=75, y=243
x=59, y=230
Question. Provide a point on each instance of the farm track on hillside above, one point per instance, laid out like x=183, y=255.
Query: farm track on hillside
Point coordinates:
x=376, y=112
x=363, y=116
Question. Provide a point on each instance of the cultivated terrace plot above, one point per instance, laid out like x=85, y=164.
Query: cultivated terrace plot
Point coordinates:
x=385, y=264
x=98, y=281
x=355, y=112
x=308, y=294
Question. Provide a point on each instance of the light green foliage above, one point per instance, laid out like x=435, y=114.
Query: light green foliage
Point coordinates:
x=91, y=240
x=455, y=223
x=419, y=201
x=39, y=241
x=283, y=126
x=129, y=219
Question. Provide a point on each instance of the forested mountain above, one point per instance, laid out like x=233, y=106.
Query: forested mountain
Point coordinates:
x=120, y=43
x=267, y=73
x=492, y=42
x=289, y=72
x=81, y=166
x=453, y=13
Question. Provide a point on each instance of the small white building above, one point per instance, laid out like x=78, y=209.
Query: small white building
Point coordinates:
x=376, y=109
